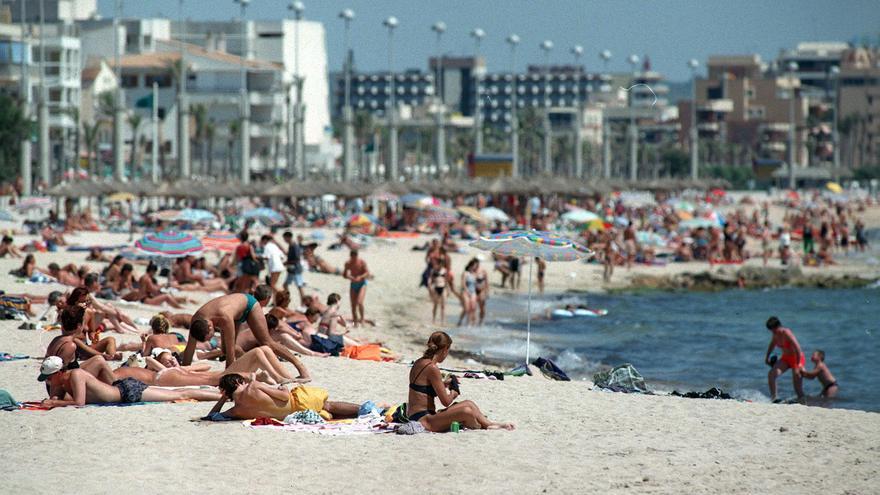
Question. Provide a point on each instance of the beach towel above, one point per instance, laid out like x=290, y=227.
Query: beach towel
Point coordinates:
x=5, y=356
x=623, y=378
x=7, y=403
x=76, y=249
x=366, y=425
x=368, y=352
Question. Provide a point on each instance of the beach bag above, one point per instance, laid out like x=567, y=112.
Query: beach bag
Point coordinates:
x=321, y=344
x=623, y=378
x=550, y=370
x=250, y=266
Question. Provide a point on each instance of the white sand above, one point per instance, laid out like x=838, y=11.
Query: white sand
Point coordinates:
x=569, y=439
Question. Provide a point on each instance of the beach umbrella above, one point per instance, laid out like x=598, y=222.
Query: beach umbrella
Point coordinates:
x=416, y=200
x=438, y=215
x=120, y=197
x=195, y=215
x=532, y=244
x=360, y=220
x=650, y=238
x=579, y=215
x=265, y=215
x=684, y=206
x=169, y=244
x=166, y=215
x=471, y=212
x=597, y=225
x=33, y=203
x=221, y=241
x=494, y=214
x=834, y=187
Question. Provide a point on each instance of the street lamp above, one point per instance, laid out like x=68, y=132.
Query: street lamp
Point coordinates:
x=633, y=130
x=792, y=182
x=578, y=51
x=605, y=55
x=693, y=64
x=834, y=71
x=547, y=47
x=244, y=127
x=347, y=15
x=391, y=24
x=183, y=150
x=25, y=154
x=439, y=28
x=478, y=34
x=299, y=162
x=513, y=41
x=118, y=103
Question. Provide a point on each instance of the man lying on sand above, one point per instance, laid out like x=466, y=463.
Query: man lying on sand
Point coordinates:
x=227, y=314
x=254, y=399
x=78, y=388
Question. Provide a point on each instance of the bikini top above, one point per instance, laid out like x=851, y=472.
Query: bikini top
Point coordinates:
x=423, y=389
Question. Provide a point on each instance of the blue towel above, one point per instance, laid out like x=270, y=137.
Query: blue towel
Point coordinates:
x=5, y=356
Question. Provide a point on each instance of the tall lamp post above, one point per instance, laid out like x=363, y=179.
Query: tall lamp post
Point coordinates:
x=578, y=51
x=478, y=34
x=547, y=47
x=347, y=15
x=245, y=126
x=299, y=158
x=119, y=100
x=792, y=181
x=633, y=129
x=835, y=138
x=439, y=28
x=605, y=55
x=25, y=154
x=391, y=24
x=513, y=41
x=183, y=151
x=694, y=133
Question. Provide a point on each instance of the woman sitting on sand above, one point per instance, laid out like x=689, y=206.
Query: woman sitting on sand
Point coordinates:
x=88, y=339
x=163, y=370
x=7, y=246
x=149, y=292
x=426, y=383
x=27, y=269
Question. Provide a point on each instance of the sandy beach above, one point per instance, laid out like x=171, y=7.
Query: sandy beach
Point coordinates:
x=569, y=438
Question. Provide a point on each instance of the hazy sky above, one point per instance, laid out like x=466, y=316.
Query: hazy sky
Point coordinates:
x=669, y=31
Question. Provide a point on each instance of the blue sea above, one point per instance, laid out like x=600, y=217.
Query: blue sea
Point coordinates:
x=691, y=341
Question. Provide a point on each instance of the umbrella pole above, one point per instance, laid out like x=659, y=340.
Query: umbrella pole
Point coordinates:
x=529, y=317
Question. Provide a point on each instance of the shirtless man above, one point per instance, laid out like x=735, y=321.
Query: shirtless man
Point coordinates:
x=63, y=276
x=357, y=272
x=258, y=400
x=820, y=370
x=78, y=388
x=227, y=314
x=792, y=357
x=149, y=292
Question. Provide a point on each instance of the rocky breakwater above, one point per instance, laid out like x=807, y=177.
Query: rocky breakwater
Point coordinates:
x=750, y=277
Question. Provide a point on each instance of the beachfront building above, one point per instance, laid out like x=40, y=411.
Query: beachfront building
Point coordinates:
x=61, y=75
x=63, y=11
x=859, y=102
x=744, y=112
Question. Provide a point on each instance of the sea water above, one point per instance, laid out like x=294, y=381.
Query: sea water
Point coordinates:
x=692, y=341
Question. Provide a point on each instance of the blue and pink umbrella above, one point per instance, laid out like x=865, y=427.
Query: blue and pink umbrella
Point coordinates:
x=533, y=244
x=169, y=244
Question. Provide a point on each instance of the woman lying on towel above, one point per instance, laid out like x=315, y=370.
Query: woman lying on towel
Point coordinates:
x=426, y=383
x=78, y=388
x=164, y=370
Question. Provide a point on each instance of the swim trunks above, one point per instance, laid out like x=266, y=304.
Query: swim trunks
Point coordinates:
x=792, y=360
x=356, y=286
x=251, y=300
x=130, y=389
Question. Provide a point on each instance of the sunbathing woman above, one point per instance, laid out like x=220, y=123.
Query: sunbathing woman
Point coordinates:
x=95, y=254
x=67, y=347
x=163, y=370
x=190, y=280
x=258, y=400
x=27, y=269
x=78, y=388
x=149, y=292
x=426, y=383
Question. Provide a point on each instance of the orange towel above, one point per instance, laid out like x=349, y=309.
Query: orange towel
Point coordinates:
x=368, y=352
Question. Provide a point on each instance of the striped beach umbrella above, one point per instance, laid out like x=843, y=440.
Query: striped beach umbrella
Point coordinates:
x=166, y=215
x=169, y=244
x=533, y=244
x=221, y=241
x=33, y=203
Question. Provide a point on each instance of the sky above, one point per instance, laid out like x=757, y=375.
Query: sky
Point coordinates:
x=670, y=32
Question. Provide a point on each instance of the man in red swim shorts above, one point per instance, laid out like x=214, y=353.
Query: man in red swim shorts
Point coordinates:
x=792, y=357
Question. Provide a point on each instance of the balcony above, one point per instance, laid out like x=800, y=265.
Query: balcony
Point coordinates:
x=709, y=127
x=723, y=105
x=772, y=127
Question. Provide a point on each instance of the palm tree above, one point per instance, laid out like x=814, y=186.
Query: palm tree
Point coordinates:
x=277, y=127
x=90, y=137
x=13, y=129
x=199, y=114
x=134, y=121
x=231, y=137
x=210, y=131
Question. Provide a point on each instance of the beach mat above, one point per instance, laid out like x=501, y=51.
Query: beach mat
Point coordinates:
x=343, y=427
x=5, y=356
x=81, y=249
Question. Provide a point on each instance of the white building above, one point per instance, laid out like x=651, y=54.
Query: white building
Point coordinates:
x=54, y=10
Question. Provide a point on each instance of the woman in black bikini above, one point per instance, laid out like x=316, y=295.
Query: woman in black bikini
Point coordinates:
x=437, y=289
x=426, y=384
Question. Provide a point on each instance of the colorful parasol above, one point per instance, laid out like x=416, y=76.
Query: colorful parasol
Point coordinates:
x=195, y=215
x=471, y=213
x=439, y=215
x=169, y=244
x=166, y=215
x=265, y=215
x=494, y=214
x=361, y=220
x=221, y=241
x=533, y=244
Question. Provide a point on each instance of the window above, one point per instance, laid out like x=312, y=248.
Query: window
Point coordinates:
x=129, y=81
x=163, y=80
x=756, y=112
x=750, y=93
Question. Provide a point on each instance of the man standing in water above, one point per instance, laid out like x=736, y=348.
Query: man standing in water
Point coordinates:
x=356, y=271
x=792, y=357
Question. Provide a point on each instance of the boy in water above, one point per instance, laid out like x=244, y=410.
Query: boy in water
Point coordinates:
x=821, y=371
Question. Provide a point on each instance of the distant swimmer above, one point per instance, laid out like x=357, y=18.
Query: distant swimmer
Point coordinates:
x=792, y=357
x=820, y=370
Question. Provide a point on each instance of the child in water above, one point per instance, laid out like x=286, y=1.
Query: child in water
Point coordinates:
x=821, y=371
